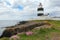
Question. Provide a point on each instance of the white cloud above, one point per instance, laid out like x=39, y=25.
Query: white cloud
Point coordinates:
x=30, y=8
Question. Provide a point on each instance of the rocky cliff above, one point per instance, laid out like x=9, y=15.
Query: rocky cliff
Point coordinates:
x=22, y=27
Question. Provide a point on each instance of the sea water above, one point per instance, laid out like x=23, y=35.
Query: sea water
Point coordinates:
x=6, y=23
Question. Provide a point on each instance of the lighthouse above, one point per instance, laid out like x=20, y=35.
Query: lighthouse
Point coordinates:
x=40, y=10
x=41, y=14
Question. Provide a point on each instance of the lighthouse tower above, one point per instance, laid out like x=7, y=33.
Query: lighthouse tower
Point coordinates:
x=40, y=10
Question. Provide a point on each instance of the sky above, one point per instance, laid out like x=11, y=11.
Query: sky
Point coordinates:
x=26, y=9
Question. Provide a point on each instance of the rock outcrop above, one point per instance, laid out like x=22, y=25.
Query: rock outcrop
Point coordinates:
x=21, y=28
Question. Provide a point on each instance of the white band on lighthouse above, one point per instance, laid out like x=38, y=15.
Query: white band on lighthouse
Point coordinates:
x=40, y=11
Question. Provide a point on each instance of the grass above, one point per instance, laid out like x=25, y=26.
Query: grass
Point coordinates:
x=42, y=34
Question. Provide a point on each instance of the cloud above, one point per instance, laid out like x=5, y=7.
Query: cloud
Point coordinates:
x=24, y=9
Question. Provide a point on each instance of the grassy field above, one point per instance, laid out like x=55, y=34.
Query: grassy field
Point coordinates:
x=52, y=33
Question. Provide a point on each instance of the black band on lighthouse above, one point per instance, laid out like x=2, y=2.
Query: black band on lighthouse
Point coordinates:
x=40, y=9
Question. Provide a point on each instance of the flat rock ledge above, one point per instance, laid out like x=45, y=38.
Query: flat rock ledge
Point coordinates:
x=22, y=27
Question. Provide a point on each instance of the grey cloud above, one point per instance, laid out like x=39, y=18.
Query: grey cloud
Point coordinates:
x=55, y=2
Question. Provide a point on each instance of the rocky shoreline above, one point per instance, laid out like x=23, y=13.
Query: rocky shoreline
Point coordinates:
x=22, y=27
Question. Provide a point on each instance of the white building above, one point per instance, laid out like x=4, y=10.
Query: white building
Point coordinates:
x=40, y=13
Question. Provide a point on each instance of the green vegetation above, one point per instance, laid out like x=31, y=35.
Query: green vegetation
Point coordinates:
x=42, y=33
